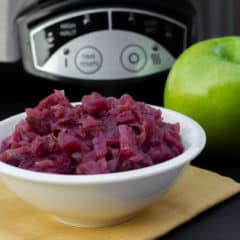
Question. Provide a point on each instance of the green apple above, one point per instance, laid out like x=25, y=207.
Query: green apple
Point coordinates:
x=204, y=83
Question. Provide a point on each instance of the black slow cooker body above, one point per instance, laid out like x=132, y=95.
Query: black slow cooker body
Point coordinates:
x=148, y=88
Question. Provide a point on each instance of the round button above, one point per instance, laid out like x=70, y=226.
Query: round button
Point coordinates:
x=89, y=60
x=133, y=58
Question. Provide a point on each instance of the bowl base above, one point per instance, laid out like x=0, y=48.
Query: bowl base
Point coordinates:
x=74, y=223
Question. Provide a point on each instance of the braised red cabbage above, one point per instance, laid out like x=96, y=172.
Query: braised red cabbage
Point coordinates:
x=101, y=135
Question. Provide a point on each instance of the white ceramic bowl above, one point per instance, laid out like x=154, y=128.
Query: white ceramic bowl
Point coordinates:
x=106, y=199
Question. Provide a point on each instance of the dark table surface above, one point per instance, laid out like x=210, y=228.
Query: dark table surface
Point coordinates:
x=221, y=222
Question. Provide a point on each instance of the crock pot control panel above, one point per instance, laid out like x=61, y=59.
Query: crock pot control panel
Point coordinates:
x=106, y=44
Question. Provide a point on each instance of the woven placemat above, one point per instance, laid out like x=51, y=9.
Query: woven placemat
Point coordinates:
x=196, y=191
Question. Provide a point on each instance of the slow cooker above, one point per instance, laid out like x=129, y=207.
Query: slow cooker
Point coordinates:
x=110, y=46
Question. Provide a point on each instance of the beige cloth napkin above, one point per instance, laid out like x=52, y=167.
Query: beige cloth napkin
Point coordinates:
x=196, y=191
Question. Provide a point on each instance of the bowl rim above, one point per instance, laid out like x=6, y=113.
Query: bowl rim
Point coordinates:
x=181, y=160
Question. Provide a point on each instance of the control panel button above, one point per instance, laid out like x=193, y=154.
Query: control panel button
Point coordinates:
x=133, y=58
x=89, y=60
